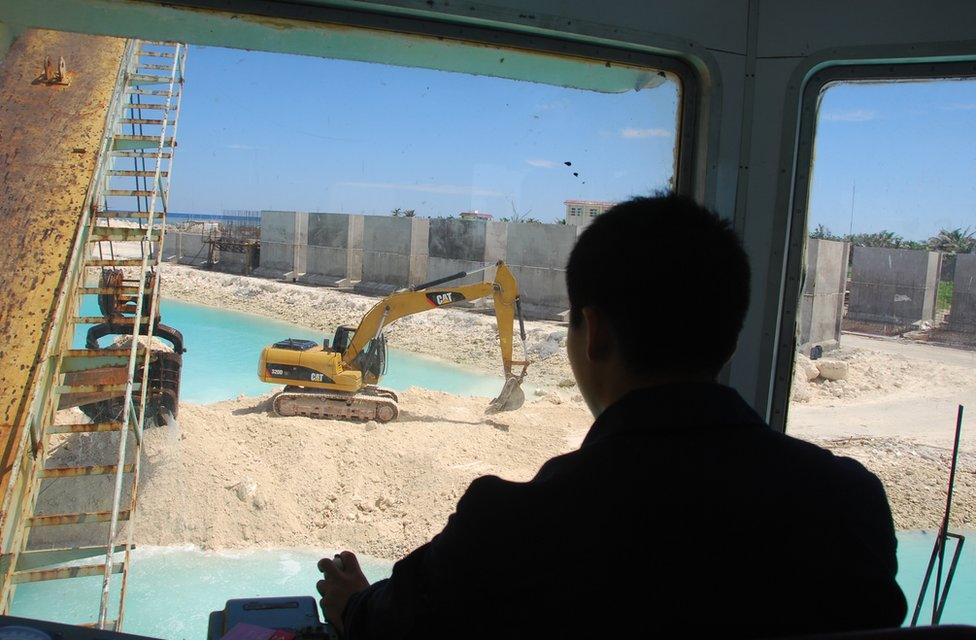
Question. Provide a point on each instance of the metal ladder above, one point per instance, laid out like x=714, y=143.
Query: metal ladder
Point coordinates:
x=139, y=145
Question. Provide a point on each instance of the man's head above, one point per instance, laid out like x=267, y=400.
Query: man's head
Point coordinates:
x=658, y=290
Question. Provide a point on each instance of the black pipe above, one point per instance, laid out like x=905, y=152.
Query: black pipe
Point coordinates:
x=518, y=309
x=941, y=594
x=434, y=283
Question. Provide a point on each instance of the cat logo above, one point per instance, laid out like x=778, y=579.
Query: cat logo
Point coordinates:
x=440, y=298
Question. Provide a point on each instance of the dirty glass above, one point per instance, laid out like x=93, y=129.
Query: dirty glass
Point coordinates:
x=887, y=323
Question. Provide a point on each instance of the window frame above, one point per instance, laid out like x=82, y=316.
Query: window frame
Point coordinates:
x=689, y=152
x=799, y=198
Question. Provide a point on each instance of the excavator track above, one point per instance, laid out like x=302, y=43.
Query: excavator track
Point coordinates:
x=372, y=403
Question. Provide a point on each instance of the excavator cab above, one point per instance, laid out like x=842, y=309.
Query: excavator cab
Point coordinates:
x=340, y=341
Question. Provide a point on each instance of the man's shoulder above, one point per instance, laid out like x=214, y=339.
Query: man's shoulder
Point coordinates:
x=822, y=466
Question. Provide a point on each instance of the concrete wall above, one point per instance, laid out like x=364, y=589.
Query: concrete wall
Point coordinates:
x=962, y=316
x=893, y=286
x=335, y=249
x=185, y=248
x=284, y=240
x=454, y=246
x=537, y=255
x=822, y=303
x=394, y=253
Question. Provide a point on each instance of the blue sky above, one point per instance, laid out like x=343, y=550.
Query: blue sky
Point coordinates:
x=268, y=131
x=910, y=147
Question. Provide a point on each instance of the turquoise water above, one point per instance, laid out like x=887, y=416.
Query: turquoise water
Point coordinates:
x=223, y=347
x=172, y=591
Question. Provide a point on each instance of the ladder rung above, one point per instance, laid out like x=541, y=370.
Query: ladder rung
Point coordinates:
x=146, y=78
x=128, y=137
x=57, y=519
x=104, y=291
x=96, y=388
x=93, y=470
x=158, y=67
x=75, y=360
x=122, y=234
x=84, y=427
x=62, y=573
x=35, y=558
x=143, y=121
x=118, y=213
x=139, y=193
x=157, y=54
x=152, y=155
x=101, y=319
x=118, y=262
x=160, y=93
x=139, y=106
x=109, y=625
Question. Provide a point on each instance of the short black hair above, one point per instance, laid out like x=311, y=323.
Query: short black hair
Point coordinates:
x=672, y=278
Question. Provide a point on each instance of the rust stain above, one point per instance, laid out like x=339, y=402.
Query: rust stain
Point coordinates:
x=51, y=136
x=76, y=518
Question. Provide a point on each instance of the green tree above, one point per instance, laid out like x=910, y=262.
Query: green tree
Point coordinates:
x=884, y=239
x=823, y=233
x=953, y=241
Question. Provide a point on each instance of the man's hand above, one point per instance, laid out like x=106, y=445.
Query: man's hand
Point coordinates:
x=338, y=585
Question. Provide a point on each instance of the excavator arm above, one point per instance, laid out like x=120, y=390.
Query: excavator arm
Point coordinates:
x=428, y=296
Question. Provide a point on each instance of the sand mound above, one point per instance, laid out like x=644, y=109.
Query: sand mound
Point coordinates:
x=123, y=342
x=915, y=477
x=876, y=374
x=461, y=336
x=235, y=476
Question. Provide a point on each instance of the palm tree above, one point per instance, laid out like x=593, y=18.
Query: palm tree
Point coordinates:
x=822, y=233
x=884, y=238
x=953, y=241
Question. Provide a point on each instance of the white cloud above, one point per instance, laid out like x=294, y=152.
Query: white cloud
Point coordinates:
x=449, y=189
x=542, y=164
x=960, y=106
x=853, y=115
x=240, y=147
x=631, y=132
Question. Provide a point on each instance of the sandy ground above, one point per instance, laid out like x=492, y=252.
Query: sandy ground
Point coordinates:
x=235, y=476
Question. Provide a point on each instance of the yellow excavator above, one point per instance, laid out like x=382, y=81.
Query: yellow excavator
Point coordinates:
x=339, y=381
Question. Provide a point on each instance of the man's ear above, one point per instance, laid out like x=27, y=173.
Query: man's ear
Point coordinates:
x=599, y=338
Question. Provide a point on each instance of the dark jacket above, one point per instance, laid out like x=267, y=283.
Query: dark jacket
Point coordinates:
x=681, y=511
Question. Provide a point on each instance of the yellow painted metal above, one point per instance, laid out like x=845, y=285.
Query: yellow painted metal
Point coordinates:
x=52, y=140
x=338, y=372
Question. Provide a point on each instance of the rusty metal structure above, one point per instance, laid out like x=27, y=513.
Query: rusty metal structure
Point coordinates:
x=241, y=235
x=108, y=248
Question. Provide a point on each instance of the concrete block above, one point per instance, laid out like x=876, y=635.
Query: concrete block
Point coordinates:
x=542, y=288
x=962, y=315
x=822, y=302
x=171, y=246
x=284, y=243
x=893, y=286
x=334, y=252
x=191, y=248
x=394, y=251
x=457, y=239
x=540, y=245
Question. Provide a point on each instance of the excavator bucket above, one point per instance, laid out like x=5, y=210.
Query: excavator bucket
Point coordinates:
x=511, y=398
